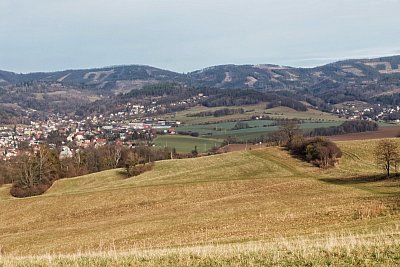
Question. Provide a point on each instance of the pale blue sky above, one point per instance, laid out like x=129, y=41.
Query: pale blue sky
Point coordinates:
x=185, y=35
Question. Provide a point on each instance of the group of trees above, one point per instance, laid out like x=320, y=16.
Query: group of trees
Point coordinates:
x=319, y=151
x=35, y=170
x=218, y=113
x=241, y=125
x=287, y=102
x=345, y=128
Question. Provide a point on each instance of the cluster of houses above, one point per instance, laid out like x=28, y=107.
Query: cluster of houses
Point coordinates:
x=129, y=110
x=97, y=131
x=376, y=112
x=8, y=143
x=127, y=123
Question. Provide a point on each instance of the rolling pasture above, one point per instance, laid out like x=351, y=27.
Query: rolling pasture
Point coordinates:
x=256, y=207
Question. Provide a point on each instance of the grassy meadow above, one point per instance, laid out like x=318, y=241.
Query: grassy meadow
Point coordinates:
x=246, y=208
x=185, y=144
x=257, y=128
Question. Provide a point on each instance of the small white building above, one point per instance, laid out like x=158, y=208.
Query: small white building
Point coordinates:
x=65, y=152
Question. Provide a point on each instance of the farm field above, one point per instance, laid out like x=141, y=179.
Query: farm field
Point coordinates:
x=385, y=131
x=311, y=114
x=250, y=110
x=185, y=144
x=228, y=209
x=257, y=129
x=223, y=127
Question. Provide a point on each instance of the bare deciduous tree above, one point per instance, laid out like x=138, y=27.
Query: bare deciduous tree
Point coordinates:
x=289, y=131
x=387, y=154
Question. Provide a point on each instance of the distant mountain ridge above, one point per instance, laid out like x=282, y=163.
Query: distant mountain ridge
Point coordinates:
x=84, y=91
x=98, y=77
x=369, y=80
x=262, y=77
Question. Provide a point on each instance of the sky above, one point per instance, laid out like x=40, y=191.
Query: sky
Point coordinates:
x=187, y=35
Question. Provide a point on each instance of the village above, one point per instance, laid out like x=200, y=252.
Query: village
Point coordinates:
x=130, y=124
x=127, y=124
x=371, y=112
x=68, y=133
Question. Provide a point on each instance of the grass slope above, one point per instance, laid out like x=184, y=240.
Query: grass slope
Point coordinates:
x=263, y=197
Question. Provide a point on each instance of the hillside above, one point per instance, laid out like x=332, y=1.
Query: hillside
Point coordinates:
x=247, y=196
x=368, y=81
x=110, y=77
x=265, y=76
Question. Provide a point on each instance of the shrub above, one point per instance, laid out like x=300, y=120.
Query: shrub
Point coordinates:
x=20, y=191
x=319, y=151
x=135, y=170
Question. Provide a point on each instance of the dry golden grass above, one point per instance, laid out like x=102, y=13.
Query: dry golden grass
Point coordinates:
x=379, y=249
x=258, y=196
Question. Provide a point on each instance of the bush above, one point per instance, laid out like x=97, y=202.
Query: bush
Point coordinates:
x=20, y=191
x=135, y=170
x=319, y=151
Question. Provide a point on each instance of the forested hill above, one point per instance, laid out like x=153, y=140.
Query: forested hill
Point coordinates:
x=373, y=76
x=108, y=77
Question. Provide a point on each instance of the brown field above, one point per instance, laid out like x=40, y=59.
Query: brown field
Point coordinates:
x=383, y=132
x=263, y=197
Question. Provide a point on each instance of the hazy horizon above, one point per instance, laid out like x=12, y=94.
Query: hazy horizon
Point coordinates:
x=185, y=36
x=326, y=61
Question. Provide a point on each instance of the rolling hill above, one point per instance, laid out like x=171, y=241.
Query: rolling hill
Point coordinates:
x=371, y=81
x=256, y=206
x=262, y=77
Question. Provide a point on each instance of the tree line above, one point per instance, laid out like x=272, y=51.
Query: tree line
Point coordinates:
x=35, y=169
x=345, y=128
x=218, y=113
